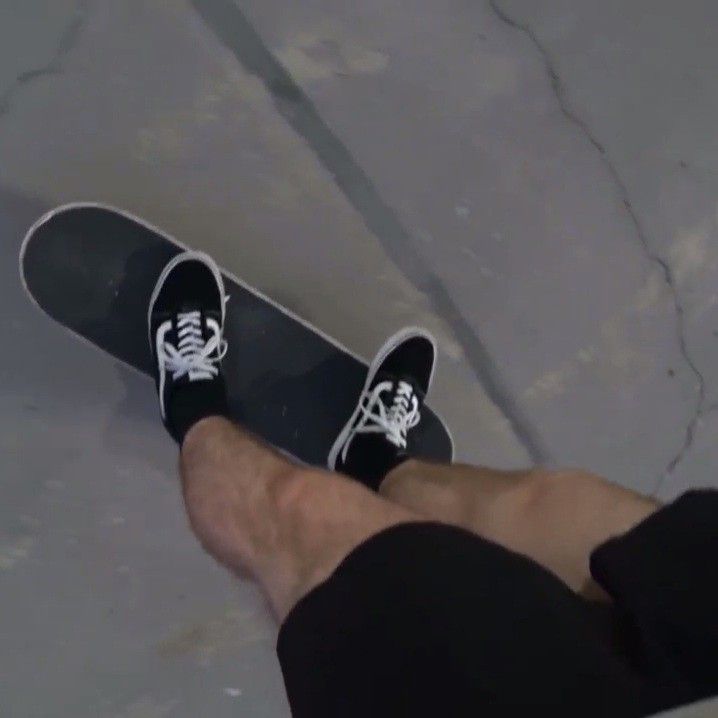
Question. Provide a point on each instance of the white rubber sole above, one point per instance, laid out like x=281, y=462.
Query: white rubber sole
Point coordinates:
x=394, y=341
x=188, y=256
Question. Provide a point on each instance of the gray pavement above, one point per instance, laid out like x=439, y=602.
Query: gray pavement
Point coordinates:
x=536, y=182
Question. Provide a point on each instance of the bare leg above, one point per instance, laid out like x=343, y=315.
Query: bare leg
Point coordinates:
x=556, y=518
x=287, y=526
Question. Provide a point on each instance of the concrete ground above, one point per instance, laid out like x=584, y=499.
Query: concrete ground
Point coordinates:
x=536, y=182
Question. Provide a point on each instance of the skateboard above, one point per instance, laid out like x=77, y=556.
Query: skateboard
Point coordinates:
x=92, y=268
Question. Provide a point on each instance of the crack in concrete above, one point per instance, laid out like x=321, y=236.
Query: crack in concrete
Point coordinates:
x=67, y=41
x=559, y=91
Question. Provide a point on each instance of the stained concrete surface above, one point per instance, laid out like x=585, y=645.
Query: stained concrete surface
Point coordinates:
x=533, y=181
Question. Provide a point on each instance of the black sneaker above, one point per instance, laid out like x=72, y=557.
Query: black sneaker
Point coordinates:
x=186, y=324
x=376, y=437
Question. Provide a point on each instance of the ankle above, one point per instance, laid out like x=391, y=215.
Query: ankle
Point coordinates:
x=205, y=428
x=408, y=467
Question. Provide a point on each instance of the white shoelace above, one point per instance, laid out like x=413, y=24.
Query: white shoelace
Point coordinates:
x=393, y=421
x=193, y=356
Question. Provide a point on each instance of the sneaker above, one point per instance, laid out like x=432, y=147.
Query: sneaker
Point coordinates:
x=186, y=325
x=376, y=437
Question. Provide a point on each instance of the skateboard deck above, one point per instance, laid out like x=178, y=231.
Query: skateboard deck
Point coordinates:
x=93, y=268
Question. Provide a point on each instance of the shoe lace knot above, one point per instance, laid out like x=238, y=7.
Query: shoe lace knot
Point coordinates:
x=194, y=356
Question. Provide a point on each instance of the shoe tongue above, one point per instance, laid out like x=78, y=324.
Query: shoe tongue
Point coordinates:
x=187, y=307
x=395, y=380
x=183, y=310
